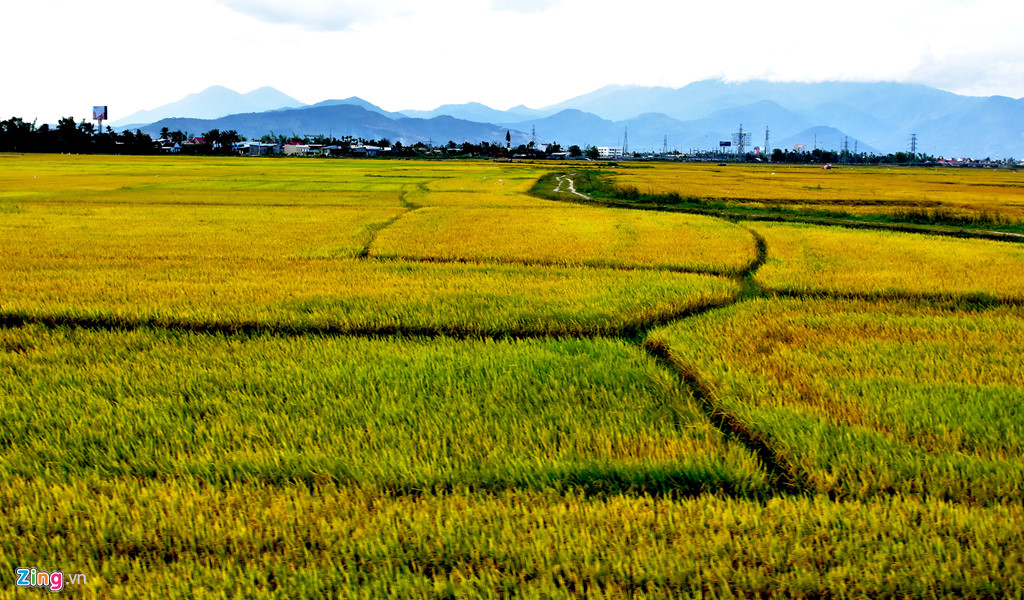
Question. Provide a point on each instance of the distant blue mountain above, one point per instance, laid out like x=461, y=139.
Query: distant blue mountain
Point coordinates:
x=339, y=120
x=569, y=127
x=474, y=111
x=213, y=102
x=878, y=116
x=356, y=101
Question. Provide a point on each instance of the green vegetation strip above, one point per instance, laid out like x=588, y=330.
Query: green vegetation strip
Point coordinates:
x=594, y=184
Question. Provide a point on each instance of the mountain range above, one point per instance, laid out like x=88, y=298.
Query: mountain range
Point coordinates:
x=868, y=117
x=213, y=102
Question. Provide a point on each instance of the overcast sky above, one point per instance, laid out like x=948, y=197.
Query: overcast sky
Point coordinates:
x=62, y=56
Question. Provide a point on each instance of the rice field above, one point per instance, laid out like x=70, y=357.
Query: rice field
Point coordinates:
x=866, y=398
x=842, y=189
x=381, y=378
x=809, y=258
x=571, y=235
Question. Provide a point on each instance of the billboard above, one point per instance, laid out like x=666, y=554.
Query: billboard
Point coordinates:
x=724, y=144
x=99, y=113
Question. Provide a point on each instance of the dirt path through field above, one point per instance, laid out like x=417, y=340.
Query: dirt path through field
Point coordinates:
x=562, y=180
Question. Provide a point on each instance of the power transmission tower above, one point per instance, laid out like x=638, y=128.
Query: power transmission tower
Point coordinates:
x=741, y=139
x=625, y=141
x=533, y=135
x=767, y=148
x=913, y=144
x=664, y=146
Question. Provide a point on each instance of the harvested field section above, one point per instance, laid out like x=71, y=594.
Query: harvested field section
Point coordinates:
x=570, y=235
x=871, y=398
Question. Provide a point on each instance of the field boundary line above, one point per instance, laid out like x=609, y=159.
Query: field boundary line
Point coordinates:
x=625, y=329
x=761, y=256
x=970, y=299
x=786, y=477
x=251, y=328
x=587, y=264
x=364, y=252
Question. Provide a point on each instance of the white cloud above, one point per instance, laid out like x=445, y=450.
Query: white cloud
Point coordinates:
x=524, y=6
x=323, y=15
x=973, y=73
x=415, y=54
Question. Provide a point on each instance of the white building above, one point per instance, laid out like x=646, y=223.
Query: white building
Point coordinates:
x=606, y=152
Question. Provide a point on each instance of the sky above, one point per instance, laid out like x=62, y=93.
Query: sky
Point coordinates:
x=64, y=56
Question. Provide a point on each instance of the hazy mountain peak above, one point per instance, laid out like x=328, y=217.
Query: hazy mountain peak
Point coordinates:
x=213, y=102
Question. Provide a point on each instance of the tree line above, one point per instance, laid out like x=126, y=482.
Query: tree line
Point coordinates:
x=819, y=156
x=18, y=135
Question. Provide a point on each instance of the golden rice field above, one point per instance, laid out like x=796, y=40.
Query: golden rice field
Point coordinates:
x=869, y=398
x=856, y=190
x=296, y=378
x=570, y=235
x=810, y=258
